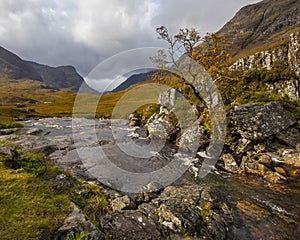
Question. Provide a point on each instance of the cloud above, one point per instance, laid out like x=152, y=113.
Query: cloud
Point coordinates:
x=83, y=33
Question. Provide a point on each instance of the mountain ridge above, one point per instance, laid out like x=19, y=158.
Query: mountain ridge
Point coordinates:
x=62, y=77
x=260, y=26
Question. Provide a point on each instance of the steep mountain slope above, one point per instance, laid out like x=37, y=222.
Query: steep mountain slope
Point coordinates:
x=259, y=26
x=59, y=77
x=14, y=67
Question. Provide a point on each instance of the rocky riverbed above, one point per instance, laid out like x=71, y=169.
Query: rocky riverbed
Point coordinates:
x=222, y=205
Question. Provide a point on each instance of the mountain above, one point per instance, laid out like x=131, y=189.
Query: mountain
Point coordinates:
x=14, y=67
x=133, y=79
x=62, y=77
x=262, y=25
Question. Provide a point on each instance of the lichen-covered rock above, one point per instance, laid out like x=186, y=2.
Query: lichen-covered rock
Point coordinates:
x=190, y=210
x=122, y=203
x=131, y=224
x=76, y=222
x=254, y=121
x=292, y=159
x=192, y=138
x=273, y=177
x=230, y=164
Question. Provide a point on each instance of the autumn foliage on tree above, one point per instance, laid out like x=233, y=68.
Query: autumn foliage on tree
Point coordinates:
x=209, y=51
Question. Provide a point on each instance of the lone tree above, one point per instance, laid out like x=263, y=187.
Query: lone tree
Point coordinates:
x=209, y=51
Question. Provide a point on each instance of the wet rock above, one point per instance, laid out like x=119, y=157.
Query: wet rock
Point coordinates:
x=77, y=222
x=249, y=166
x=248, y=209
x=254, y=121
x=289, y=137
x=189, y=210
x=255, y=168
x=241, y=146
x=122, y=203
x=34, y=131
x=230, y=164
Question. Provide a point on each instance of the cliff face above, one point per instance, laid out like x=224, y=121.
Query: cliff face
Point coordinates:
x=287, y=54
x=294, y=53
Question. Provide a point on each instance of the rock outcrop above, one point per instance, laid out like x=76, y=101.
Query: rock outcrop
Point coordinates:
x=266, y=144
x=287, y=54
x=179, y=211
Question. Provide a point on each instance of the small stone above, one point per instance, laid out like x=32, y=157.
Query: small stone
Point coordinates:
x=280, y=170
x=61, y=177
x=229, y=163
x=34, y=131
x=273, y=177
x=122, y=203
x=255, y=168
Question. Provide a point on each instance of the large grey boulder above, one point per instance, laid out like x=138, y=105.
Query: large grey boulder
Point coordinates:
x=254, y=121
x=163, y=125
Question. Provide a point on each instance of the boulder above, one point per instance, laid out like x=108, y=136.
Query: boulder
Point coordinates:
x=130, y=224
x=163, y=125
x=254, y=121
x=192, y=138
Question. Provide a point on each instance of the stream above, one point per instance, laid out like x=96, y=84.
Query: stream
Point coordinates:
x=261, y=210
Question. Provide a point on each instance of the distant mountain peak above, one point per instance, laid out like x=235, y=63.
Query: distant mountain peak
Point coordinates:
x=133, y=79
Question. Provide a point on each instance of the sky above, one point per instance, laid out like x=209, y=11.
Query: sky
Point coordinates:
x=85, y=33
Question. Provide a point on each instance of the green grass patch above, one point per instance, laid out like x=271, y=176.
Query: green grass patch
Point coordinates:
x=29, y=208
x=34, y=201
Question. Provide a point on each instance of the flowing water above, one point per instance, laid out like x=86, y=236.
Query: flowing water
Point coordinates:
x=260, y=210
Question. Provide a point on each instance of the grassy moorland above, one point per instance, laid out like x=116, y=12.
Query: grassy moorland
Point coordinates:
x=22, y=99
